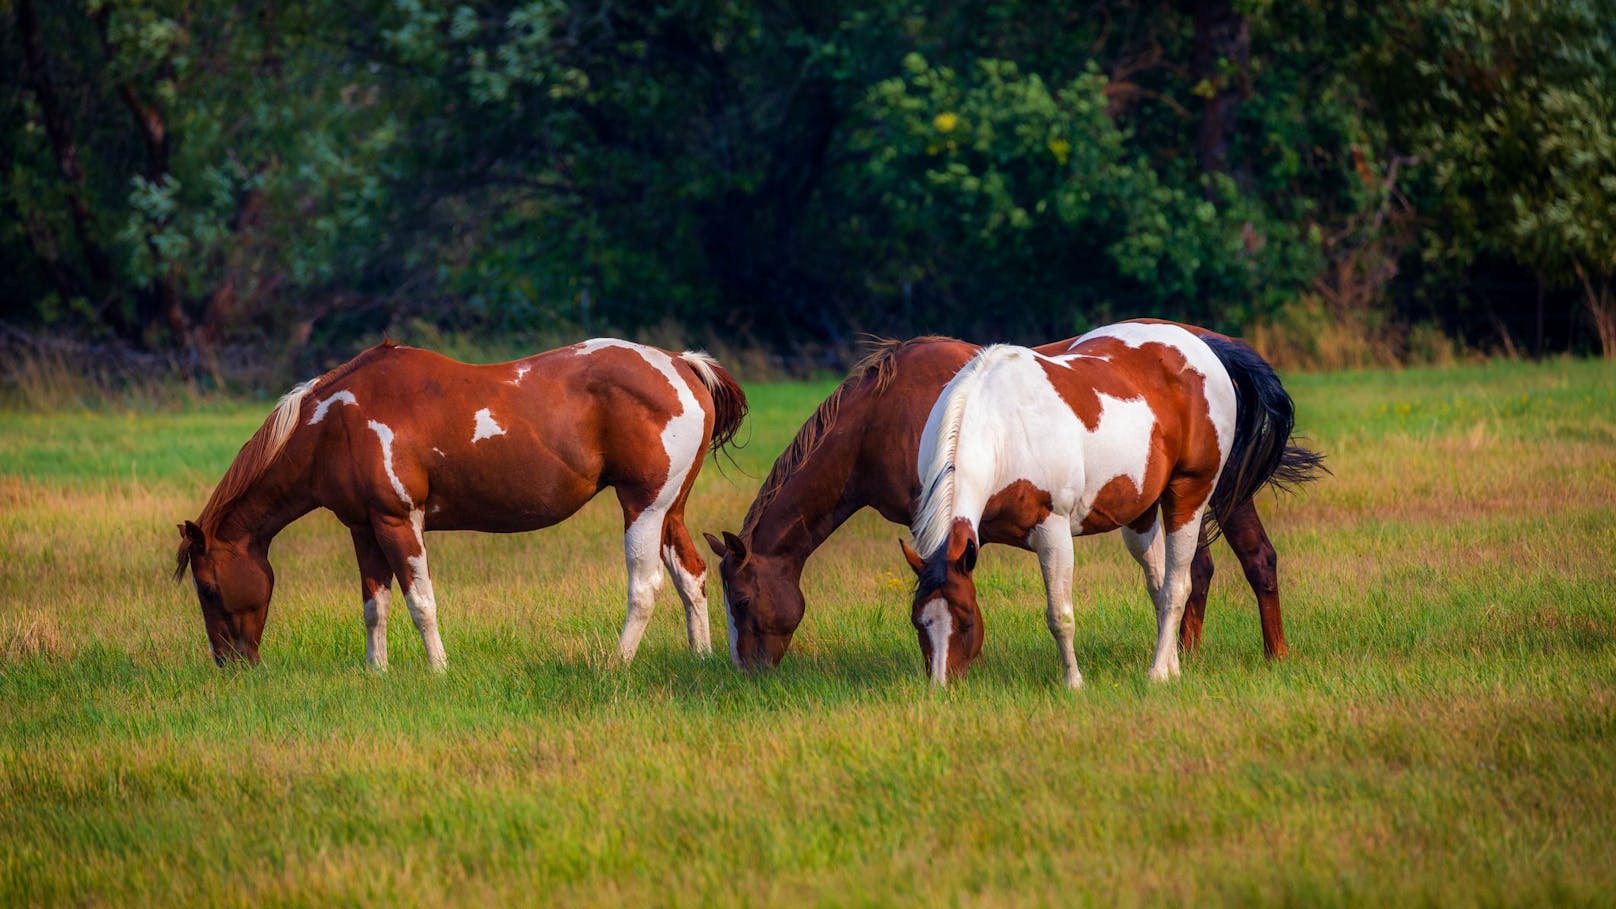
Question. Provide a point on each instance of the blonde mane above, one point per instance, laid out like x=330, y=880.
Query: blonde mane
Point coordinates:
x=934, y=514
x=879, y=365
x=260, y=452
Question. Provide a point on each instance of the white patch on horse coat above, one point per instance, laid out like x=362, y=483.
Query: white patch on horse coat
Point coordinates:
x=385, y=434
x=439, y=451
x=341, y=397
x=521, y=371
x=486, y=427
x=939, y=625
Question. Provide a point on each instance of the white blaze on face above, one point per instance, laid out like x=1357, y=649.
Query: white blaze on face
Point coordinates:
x=341, y=397
x=385, y=434
x=939, y=625
x=729, y=618
x=487, y=428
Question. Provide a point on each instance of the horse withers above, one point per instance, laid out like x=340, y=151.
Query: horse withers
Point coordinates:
x=399, y=441
x=1137, y=426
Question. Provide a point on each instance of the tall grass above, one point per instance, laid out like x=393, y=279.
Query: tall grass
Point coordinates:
x=1445, y=731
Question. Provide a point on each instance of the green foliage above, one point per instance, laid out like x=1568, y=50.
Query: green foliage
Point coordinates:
x=788, y=174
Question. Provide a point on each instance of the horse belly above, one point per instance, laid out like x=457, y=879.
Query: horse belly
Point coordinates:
x=505, y=499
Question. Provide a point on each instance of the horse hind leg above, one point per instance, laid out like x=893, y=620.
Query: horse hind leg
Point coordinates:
x=641, y=550
x=1179, y=552
x=1201, y=571
x=1251, y=545
x=405, y=546
x=689, y=572
x=376, y=590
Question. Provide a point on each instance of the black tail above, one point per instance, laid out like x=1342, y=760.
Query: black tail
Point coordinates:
x=1265, y=416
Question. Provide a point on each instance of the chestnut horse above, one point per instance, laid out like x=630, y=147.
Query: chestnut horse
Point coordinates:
x=399, y=441
x=859, y=449
x=1131, y=428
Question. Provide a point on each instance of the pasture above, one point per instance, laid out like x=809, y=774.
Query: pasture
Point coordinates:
x=1444, y=732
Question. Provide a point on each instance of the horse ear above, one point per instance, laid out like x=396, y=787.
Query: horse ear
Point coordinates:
x=737, y=549
x=912, y=557
x=967, y=559
x=716, y=545
x=193, y=537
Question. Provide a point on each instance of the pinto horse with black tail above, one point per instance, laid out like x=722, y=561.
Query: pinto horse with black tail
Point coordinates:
x=399, y=441
x=859, y=449
x=1138, y=427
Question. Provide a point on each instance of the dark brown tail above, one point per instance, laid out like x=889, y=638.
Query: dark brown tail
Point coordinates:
x=1262, y=453
x=729, y=401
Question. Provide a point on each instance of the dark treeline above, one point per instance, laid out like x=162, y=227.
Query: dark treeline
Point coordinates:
x=1350, y=183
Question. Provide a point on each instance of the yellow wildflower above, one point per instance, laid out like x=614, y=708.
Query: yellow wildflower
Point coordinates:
x=945, y=122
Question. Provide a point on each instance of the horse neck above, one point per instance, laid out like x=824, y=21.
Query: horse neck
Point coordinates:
x=277, y=498
x=808, y=507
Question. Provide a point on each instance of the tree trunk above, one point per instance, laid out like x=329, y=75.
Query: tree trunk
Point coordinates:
x=60, y=133
x=1221, y=35
x=1601, y=308
x=163, y=300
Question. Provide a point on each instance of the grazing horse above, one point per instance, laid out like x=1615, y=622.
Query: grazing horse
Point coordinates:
x=859, y=449
x=1131, y=428
x=399, y=441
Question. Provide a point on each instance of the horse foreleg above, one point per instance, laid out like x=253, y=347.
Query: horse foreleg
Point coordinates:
x=689, y=573
x=376, y=589
x=1170, y=599
x=1248, y=539
x=640, y=551
x=1052, y=539
x=405, y=547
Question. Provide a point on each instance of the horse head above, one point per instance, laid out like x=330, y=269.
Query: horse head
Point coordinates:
x=944, y=611
x=233, y=585
x=762, y=600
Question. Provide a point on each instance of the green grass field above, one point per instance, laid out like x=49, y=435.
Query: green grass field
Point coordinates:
x=1444, y=732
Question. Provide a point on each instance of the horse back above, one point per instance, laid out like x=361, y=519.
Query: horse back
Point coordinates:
x=502, y=447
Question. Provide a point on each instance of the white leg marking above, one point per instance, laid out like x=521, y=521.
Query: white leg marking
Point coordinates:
x=420, y=600
x=692, y=590
x=644, y=580
x=385, y=434
x=486, y=427
x=1174, y=593
x=376, y=628
x=1053, y=541
x=939, y=625
x=345, y=397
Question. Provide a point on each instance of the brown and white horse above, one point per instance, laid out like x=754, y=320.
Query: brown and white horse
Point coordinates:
x=860, y=448
x=1131, y=428
x=399, y=441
